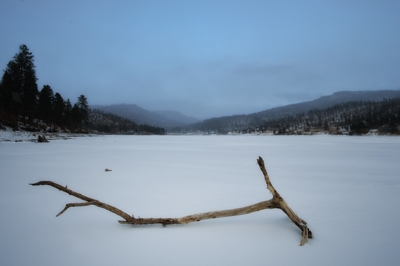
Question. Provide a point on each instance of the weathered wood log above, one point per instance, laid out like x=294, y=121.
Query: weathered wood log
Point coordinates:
x=277, y=202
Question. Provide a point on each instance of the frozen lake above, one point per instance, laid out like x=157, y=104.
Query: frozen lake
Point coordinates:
x=346, y=188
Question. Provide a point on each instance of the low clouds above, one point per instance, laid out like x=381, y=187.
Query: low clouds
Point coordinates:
x=256, y=69
x=206, y=58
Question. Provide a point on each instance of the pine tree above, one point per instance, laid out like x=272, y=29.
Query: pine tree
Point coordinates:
x=83, y=107
x=68, y=113
x=59, y=109
x=46, y=102
x=76, y=115
x=19, y=88
x=10, y=89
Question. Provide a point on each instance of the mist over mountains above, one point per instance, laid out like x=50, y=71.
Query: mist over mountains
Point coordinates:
x=133, y=112
x=328, y=101
x=175, y=121
x=254, y=120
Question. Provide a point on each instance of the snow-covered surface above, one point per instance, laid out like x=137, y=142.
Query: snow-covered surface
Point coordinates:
x=346, y=188
x=9, y=135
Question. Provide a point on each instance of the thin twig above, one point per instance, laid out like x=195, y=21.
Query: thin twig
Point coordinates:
x=81, y=204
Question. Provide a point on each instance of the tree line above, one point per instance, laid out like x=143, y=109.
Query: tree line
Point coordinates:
x=354, y=117
x=112, y=124
x=21, y=101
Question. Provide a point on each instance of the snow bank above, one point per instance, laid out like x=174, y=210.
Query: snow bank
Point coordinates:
x=346, y=188
x=16, y=136
x=9, y=135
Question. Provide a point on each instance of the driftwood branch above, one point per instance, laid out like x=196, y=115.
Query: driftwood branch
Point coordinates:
x=80, y=204
x=277, y=202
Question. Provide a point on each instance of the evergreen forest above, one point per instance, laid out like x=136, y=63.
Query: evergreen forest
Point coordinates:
x=352, y=117
x=24, y=107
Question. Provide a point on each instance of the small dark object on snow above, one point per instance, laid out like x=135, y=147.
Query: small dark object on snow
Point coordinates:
x=42, y=139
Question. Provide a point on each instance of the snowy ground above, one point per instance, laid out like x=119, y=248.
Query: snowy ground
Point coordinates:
x=346, y=188
x=9, y=135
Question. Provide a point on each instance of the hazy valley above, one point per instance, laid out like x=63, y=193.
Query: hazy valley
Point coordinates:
x=270, y=119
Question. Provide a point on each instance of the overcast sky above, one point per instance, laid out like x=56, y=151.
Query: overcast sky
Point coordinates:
x=205, y=58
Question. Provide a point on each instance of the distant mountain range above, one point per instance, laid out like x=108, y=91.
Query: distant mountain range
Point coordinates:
x=328, y=101
x=175, y=121
x=238, y=122
x=164, y=119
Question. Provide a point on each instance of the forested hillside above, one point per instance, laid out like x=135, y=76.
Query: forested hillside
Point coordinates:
x=252, y=121
x=24, y=107
x=133, y=112
x=101, y=121
x=354, y=117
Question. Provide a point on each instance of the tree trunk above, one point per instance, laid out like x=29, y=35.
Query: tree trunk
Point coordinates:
x=277, y=202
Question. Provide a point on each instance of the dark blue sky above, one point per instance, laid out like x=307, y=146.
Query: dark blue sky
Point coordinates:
x=205, y=58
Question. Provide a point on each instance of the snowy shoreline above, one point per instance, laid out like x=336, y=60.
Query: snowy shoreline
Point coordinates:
x=9, y=135
x=24, y=136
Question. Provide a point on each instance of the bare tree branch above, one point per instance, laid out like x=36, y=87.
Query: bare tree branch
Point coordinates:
x=277, y=202
x=81, y=204
x=97, y=203
x=306, y=232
